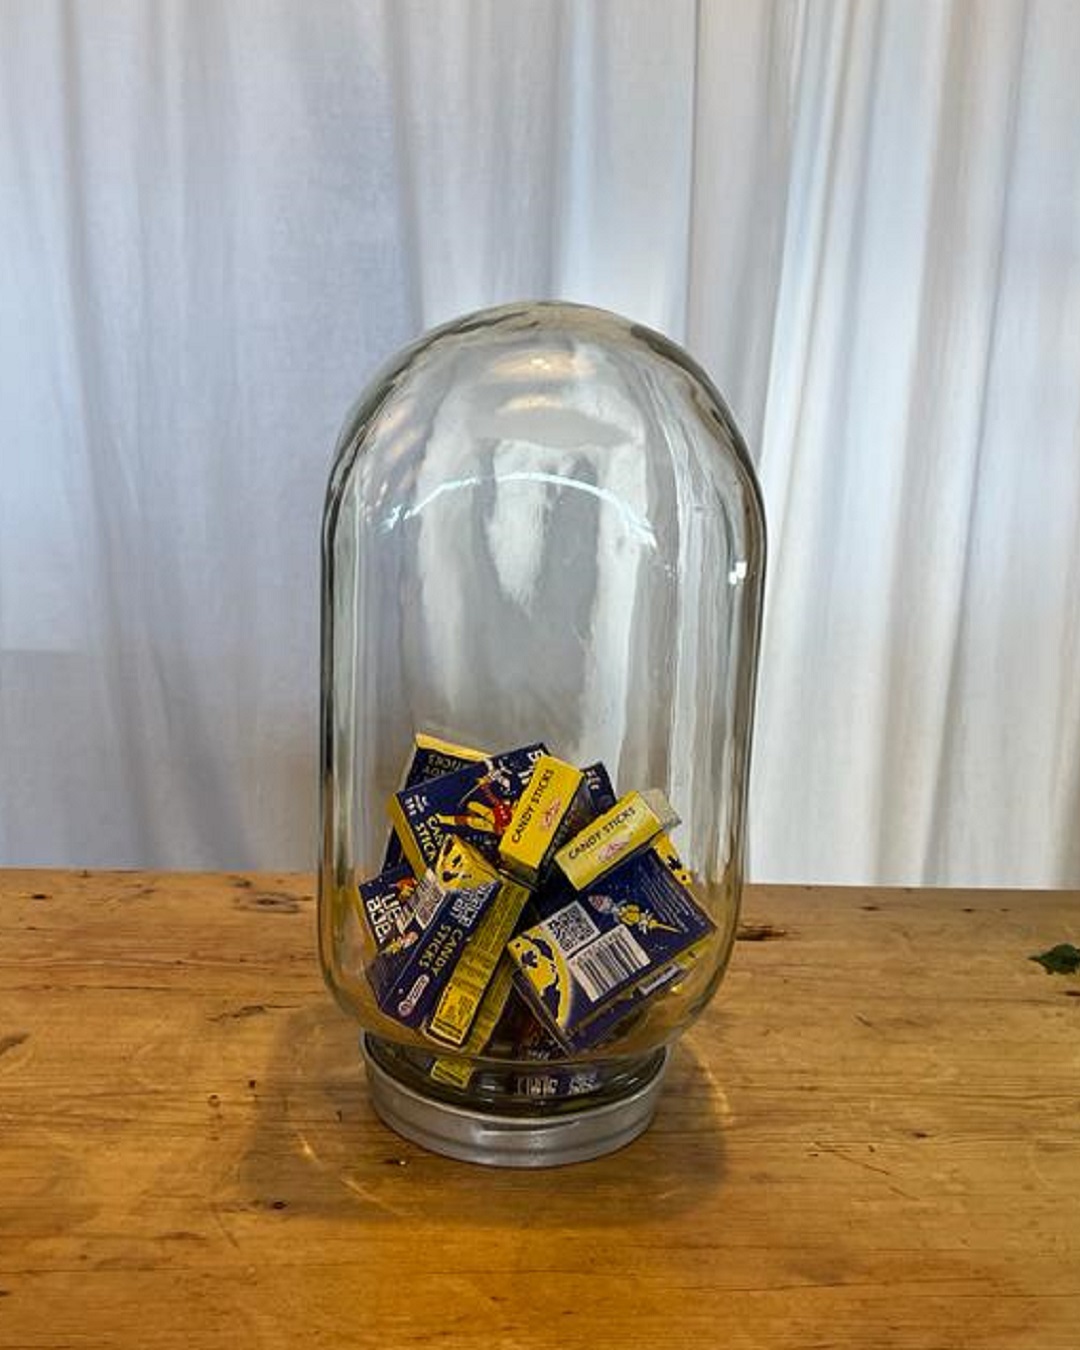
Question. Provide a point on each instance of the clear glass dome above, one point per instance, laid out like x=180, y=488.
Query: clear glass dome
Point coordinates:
x=542, y=528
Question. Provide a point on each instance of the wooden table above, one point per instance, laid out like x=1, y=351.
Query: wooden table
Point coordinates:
x=871, y=1140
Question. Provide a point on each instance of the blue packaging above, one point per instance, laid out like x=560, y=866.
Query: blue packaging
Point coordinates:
x=622, y=933
x=432, y=758
x=598, y=784
x=453, y=897
x=474, y=804
x=386, y=903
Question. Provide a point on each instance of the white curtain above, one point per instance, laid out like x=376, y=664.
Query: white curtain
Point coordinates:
x=863, y=218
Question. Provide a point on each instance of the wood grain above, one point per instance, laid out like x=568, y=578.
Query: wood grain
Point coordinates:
x=871, y=1140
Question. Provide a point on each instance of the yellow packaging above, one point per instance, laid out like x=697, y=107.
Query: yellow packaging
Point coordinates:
x=459, y=1002
x=431, y=758
x=448, y=908
x=632, y=823
x=669, y=856
x=458, y=1071
x=474, y=803
x=543, y=813
x=434, y=745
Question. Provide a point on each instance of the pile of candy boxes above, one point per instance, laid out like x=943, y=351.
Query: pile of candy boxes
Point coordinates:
x=522, y=910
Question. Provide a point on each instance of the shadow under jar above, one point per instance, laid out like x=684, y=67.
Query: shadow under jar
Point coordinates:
x=542, y=526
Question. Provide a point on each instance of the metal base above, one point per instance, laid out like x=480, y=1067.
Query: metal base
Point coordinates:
x=495, y=1140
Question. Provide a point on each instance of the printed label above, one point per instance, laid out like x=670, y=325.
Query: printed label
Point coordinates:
x=628, y=827
x=607, y=963
x=620, y=935
x=474, y=804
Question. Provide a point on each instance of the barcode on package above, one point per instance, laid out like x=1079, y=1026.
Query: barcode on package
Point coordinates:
x=610, y=961
x=426, y=900
x=571, y=928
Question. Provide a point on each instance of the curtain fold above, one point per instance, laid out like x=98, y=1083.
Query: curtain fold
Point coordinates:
x=863, y=217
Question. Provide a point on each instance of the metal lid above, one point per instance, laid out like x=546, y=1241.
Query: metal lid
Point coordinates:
x=495, y=1140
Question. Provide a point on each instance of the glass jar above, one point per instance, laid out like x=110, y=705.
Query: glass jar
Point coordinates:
x=542, y=529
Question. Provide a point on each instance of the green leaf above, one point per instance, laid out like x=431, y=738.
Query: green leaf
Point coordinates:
x=1064, y=959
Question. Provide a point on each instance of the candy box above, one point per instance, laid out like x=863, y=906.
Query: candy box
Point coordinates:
x=432, y=758
x=555, y=805
x=474, y=804
x=558, y=1082
x=558, y=802
x=625, y=829
x=616, y=1016
x=462, y=997
x=385, y=903
x=598, y=786
x=392, y=952
x=455, y=1069
x=531, y=1036
x=396, y=911
x=619, y=933
x=453, y=897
